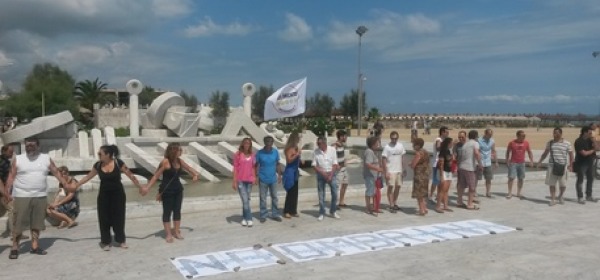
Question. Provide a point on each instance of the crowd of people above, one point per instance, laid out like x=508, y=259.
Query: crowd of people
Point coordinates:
x=467, y=160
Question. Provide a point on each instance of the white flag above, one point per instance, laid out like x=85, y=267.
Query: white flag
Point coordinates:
x=288, y=101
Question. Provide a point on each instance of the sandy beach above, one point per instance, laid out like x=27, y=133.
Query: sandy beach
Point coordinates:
x=537, y=138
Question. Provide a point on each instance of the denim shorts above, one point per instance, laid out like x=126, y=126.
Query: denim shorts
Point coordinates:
x=370, y=186
x=516, y=170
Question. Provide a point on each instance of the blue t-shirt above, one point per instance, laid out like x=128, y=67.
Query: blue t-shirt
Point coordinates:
x=267, y=165
x=485, y=149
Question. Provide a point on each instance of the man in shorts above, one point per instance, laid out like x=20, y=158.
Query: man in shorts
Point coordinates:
x=487, y=149
x=342, y=174
x=515, y=161
x=26, y=184
x=394, y=169
x=560, y=153
x=470, y=162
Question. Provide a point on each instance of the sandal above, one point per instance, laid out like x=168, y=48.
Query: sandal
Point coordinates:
x=474, y=207
x=104, y=247
x=14, y=254
x=72, y=225
x=461, y=205
x=439, y=210
x=448, y=210
x=123, y=245
x=178, y=235
x=38, y=251
x=169, y=239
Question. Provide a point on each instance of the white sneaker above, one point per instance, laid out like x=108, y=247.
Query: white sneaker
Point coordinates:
x=336, y=215
x=244, y=223
x=250, y=223
x=320, y=218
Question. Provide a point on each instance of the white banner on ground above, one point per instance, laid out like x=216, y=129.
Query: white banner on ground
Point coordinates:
x=386, y=239
x=224, y=261
x=302, y=251
x=287, y=101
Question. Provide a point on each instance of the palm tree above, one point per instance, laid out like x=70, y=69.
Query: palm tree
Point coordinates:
x=89, y=93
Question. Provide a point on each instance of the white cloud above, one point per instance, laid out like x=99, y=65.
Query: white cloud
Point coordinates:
x=171, y=8
x=297, y=30
x=386, y=30
x=91, y=54
x=516, y=99
x=209, y=28
x=5, y=61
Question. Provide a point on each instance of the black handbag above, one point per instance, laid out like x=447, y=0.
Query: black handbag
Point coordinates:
x=558, y=169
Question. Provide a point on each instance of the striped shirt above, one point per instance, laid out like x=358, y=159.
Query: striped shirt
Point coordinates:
x=340, y=152
x=559, y=151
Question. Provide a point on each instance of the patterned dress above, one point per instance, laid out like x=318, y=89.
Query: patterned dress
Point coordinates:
x=421, y=175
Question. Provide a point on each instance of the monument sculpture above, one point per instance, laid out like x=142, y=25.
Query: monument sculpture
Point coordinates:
x=166, y=120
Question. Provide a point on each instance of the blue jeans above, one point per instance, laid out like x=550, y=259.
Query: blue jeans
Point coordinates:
x=321, y=191
x=271, y=188
x=244, y=189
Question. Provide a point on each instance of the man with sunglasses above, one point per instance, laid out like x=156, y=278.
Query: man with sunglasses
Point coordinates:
x=394, y=169
x=326, y=165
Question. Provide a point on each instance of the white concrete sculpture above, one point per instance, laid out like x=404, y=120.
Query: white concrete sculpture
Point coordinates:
x=248, y=89
x=134, y=87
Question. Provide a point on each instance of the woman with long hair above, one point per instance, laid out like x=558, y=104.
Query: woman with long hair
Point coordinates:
x=170, y=191
x=111, y=196
x=445, y=158
x=290, y=175
x=420, y=165
x=244, y=176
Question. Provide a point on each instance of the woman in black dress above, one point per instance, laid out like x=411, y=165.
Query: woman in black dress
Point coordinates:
x=111, y=196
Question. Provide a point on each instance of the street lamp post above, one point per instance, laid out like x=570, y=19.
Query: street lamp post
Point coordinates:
x=596, y=54
x=361, y=30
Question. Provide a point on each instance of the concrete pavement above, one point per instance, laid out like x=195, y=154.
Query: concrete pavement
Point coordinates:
x=559, y=242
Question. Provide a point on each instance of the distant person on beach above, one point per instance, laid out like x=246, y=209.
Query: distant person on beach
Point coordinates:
x=394, y=169
x=487, y=149
x=290, y=175
x=244, y=176
x=584, y=164
x=325, y=164
x=460, y=190
x=371, y=172
x=111, y=196
x=560, y=154
x=421, y=170
x=515, y=161
x=26, y=185
x=269, y=175
x=469, y=164
x=342, y=174
x=65, y=207
x=170, y=191
x=414, y=130
x=435, y=180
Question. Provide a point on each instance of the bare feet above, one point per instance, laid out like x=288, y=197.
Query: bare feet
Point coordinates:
x=178, y=235
x=169, y=239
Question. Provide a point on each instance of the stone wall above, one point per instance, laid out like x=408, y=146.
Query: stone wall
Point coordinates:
x=116, y=117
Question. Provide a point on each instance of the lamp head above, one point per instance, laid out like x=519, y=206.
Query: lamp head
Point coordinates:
x=361, y=30
x=596, y=53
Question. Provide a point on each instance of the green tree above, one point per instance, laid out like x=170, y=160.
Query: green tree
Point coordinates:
x=349, y=104
x=259, y=99
x=47, y=82
x=319, y=105
x=219, y=101
x=374, y=113
x=147, y=95
x=190, y=100
x=89, y=93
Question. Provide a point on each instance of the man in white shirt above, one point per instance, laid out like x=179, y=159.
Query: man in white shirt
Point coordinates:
x=326, y=165
x=28, y=176
x=393, y=168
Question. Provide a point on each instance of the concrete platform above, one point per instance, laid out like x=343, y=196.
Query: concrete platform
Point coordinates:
x=558, y=242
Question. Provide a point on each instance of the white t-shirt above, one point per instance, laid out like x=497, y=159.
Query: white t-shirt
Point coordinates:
x=434, y=159
x=468, y=161
x=325, y=160
x=393, y=156
x=31, y=176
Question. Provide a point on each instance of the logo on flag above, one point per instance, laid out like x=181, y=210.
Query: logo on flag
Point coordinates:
x=287, y=101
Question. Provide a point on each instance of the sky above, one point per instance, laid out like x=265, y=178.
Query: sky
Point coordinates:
x=430, y=56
